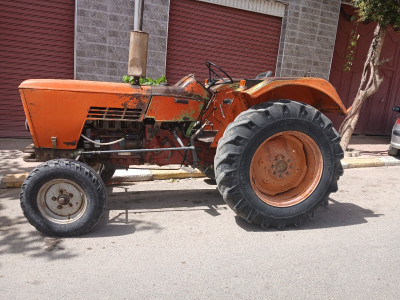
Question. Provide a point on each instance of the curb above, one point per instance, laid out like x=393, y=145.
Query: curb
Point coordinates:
x=349, y=162
x=137, y=175
x=130, y=175
x=12, y=180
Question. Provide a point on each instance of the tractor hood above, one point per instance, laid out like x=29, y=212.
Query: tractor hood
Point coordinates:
x=85, y=86
x=67, y=104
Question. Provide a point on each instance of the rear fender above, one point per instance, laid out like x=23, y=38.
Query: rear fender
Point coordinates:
x=316, y=92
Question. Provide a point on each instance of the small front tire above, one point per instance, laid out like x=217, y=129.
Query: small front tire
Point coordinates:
x=63, y=197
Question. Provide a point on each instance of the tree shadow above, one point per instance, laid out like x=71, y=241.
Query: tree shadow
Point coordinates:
x=32, y=243
x=16, y=239
x=336, y=214
x=12, y=156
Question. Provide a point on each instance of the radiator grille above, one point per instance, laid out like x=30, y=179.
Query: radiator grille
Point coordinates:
x=114, y=114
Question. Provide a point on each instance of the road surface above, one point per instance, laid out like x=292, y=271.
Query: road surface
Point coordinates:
x=179, y=240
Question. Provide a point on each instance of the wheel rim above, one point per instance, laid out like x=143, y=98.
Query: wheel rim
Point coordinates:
x=62, y=201
x=286, y=168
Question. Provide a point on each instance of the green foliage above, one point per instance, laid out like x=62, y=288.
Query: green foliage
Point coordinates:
x=351, y=48
x=145, y=80
x=383, y=12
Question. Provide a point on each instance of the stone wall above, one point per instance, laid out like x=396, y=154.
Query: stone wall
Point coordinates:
x=102, y=39
x=155, y=22
x=308, y=37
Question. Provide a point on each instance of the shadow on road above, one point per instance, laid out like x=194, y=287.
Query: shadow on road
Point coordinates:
x=139, y=202
x=15, y=239
x=126, y=204
x=336, y=214
x=11, y=156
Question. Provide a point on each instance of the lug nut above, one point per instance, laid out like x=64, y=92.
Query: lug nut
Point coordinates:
x=70, y=195
x=59, y=207
x=53, y=198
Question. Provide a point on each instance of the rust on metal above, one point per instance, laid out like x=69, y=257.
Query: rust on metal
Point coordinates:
x=145, y=116
x=167, y=109
x=238, y=105
x=188, y=88
x=286, y=168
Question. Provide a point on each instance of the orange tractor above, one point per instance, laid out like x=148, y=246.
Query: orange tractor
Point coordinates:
x=274, y=154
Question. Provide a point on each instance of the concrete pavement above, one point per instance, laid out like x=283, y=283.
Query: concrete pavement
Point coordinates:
x=367, y=151
x=179, y=240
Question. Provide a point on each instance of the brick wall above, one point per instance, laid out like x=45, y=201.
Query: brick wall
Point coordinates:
x=155, y=22
x=308, y=37
x=102, y=39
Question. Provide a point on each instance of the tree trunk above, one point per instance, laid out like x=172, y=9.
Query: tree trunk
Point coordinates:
x=370, y=82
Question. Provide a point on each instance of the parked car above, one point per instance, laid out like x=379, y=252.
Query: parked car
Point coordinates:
x=394, y=148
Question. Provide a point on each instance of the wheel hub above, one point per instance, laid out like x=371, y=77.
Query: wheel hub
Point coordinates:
x=285, y=167
x=61, y=200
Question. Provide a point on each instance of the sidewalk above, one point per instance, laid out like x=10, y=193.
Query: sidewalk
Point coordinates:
x=368, y=151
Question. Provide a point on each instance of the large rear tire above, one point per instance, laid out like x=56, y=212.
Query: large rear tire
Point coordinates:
x=63, y=197
x=277, y=162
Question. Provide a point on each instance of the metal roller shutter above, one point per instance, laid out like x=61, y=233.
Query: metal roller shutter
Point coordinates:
x=37, y=41
x=241, y=42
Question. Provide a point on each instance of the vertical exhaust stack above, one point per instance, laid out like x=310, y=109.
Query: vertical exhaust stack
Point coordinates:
x=138, y=54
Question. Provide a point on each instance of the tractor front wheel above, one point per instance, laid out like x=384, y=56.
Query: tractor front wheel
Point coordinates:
x=63, y=197
x=277, y=161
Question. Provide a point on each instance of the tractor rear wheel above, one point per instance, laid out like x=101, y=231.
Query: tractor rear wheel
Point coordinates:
x=277, y=162
x=63, y=197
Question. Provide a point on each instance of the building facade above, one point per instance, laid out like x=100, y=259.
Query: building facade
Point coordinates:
x=306, y=35
x=89, y=40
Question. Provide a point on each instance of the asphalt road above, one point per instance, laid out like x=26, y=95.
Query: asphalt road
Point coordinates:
x=178, y=240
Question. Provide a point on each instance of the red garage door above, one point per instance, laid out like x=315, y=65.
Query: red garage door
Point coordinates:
x=376, y=117
x=241, y=42
x=37, y=41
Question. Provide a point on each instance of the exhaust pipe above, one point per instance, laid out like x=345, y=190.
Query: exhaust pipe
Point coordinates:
x=138, y=54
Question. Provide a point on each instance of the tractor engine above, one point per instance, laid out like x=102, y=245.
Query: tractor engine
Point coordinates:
x=109, y=142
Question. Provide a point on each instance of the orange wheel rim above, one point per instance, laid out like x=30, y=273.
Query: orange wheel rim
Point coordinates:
x=286, y=168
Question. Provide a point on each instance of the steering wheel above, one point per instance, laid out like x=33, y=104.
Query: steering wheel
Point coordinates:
x=214, y=77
